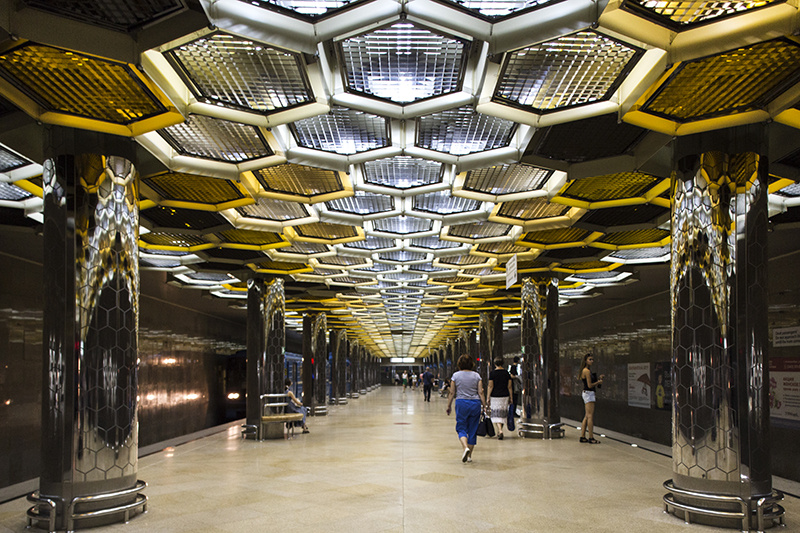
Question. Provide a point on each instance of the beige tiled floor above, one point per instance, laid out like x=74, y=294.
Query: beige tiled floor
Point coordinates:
x=390, y=462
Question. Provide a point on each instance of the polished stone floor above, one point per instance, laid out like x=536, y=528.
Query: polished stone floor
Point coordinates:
x=390, y=462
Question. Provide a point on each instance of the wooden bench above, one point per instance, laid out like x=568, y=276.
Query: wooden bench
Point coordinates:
x=273, y=412
x=284, y=418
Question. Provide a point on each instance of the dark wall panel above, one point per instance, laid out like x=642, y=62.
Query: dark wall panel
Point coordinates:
x=184, y=339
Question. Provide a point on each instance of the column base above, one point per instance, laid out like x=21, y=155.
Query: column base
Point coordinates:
x=87, y=511
x=319, y=410
x=724, y=510
x=533, y=430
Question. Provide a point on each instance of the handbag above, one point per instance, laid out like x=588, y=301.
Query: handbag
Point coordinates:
x=487, y=421
x=481, y=426
x=511, y=412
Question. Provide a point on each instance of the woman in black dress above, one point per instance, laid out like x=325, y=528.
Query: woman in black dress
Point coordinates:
x=500, y=395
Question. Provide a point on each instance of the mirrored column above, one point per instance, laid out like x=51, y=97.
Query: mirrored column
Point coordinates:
x=490, y=324
x=338, y=342
x=266, y=340
x=319, y=349
x=541, y=417
x=91, y=327
x=721, y=443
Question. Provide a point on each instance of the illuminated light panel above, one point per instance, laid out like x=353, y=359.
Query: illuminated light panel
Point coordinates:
x=11, y=161
x=683, y=14
x=403, y=63
x=575, y=69
x=629, y=238
x=462, y=131
x=403, y=172
x=371, y=243
x=243, y=236
x=500, y=8
x=556, y=236
x=342, y=131
x=402, y=256
x=217, y=139
x=325, y=230
x=479, y=230
x=79, y=85
x=299, y=179
x=121, y=15
x=433, y=243
x=243, y=74
x=531, y=209
x=403, y=225
x=362, y=203
x=171, y=239
x=278, y=210
x=502, y=248
x=791, y=191
x=309, y=8
x=193, y=188
x=751, y=77
x=12, y=193
x=507, y=179
x=641, y=255
x=444, y=203
x=305, y=248
x=610, y=187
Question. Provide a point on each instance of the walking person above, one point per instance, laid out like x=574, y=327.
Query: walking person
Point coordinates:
x=466, y=388
x=427, y=384
x=590, y=383
x=405, y=381
x=500, y=395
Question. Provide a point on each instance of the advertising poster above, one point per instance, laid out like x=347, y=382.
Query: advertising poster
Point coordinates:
x=662, y=386
x=786, y=337
x=784, y=388
x=639, y=385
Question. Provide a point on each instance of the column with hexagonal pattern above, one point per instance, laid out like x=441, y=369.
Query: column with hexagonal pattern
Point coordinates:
x=541, y=417
x=719, y=329
x=266, y=341
x=90, y=330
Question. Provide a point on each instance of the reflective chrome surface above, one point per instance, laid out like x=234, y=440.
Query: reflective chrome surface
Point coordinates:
x=355, y=357
x=89, y=414
x=539, y=347
x=266, y=340
x=338, y=343
x=490, y=324
x=319, y=347
x=719, y=330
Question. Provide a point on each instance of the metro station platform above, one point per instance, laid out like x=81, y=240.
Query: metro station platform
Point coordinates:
x=389, y=462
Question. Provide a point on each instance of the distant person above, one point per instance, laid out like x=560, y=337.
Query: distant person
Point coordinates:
x=293, y=405
x=396, y=378
x=466, y=388
x=405, y=380
x=427, y=384
x=515, y=371
x=500, y=395
x=589, y=398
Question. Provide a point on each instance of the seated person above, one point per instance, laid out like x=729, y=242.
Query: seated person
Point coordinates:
x=293, y=405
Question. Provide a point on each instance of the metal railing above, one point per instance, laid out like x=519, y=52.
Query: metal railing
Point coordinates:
x=71, y=516
x=767, y=507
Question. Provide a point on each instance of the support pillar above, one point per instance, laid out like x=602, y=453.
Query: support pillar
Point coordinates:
x=319, y=349
x=266, y=339
x=720, y=431
x=491, y=341
x=541, y=417
x=338, y=341
x=90, y=425
x=355, y=357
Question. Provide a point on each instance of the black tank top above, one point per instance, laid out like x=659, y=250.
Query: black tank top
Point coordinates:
x=586, y=385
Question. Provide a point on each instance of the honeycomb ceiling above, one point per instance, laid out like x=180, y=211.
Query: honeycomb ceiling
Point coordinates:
x=388, y=158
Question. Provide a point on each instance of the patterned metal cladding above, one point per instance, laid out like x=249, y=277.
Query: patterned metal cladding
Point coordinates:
x=507, y=179
x=539, y=346
x=266, y=341
x=719, y=330
x=684, y=14
x=319, y=347
x=490, y=324
x=338, y=343
x=91, y=320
